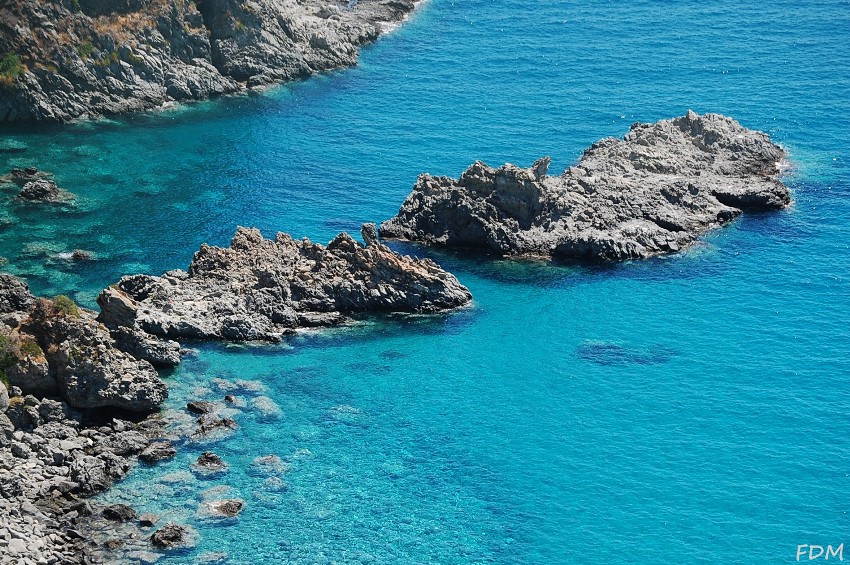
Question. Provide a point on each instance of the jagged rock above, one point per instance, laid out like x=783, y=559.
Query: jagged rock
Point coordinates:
x=259, y=289
x=14, y=294
x=209, y=464
x=158, y=451
x=100, y=58
x=89, y=371
x=119, y=513
x=32, y=375
x=43, y=190
x=4, y=398
x=90, y=473
x=172, y=536
x=655, y=191
x=128, y=442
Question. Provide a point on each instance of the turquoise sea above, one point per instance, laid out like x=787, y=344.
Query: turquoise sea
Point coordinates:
x=692, y=409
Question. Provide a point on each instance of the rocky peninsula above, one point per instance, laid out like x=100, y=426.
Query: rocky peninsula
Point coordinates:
x=655, y=191
x=69, y=59
x=79, y=391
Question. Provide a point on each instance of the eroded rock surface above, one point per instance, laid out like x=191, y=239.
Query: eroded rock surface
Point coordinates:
x=68, y=59
x=653, y=192
x=259, y=289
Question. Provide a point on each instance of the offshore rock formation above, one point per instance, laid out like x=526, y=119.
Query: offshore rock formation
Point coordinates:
x=36, y=186
x=653, y=192
x=66, y=59
x=259, y=289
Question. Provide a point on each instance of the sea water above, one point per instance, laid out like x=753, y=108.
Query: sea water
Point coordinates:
x=688, y=409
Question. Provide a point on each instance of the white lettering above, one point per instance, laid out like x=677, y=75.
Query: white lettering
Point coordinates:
x=837, y=552
x=812, y=555
x=801, y=550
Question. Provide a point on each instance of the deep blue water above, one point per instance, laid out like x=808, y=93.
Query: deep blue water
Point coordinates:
x=680, y=410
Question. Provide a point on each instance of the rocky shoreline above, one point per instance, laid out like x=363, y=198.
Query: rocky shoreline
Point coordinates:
x=656, y=191
x=80, y=394
x=86, y=58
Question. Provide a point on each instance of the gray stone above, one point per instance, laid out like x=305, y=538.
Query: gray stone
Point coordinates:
x=260, y=289
x=158, y=451
x=653, y=192
x=170, y=51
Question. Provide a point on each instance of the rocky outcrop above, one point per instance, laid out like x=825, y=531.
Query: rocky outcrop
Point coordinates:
x=89, y=370
x=260, y=289
x=653, y=192
x=55, y=348
x=15, y=295
x=36, y=186
x=82, y=58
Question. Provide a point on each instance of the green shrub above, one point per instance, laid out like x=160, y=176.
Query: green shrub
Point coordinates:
x=84, y=50
x=31, y=349
x=64, y=305
x=10, y=68
x=8, y=357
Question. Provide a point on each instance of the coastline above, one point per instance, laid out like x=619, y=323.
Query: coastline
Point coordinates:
x=113, y=62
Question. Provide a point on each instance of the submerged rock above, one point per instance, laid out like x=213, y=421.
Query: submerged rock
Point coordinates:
x=653, y=192
x=218, y=509
x=259, y=289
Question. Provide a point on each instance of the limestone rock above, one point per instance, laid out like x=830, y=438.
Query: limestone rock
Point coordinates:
x=653, y=192
x=14, y=294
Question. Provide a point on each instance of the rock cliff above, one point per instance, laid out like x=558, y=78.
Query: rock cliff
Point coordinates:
x=65, y=59
x=259, y=289
x=653, y=192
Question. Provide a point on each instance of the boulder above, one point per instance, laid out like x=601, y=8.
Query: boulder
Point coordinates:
x=158, y=451
x=118, y=513
x=173, y=536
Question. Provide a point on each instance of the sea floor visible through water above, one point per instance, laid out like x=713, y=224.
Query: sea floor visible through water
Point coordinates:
x=686, y=409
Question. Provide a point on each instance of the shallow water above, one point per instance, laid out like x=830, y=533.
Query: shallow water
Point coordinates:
x=686, y=409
